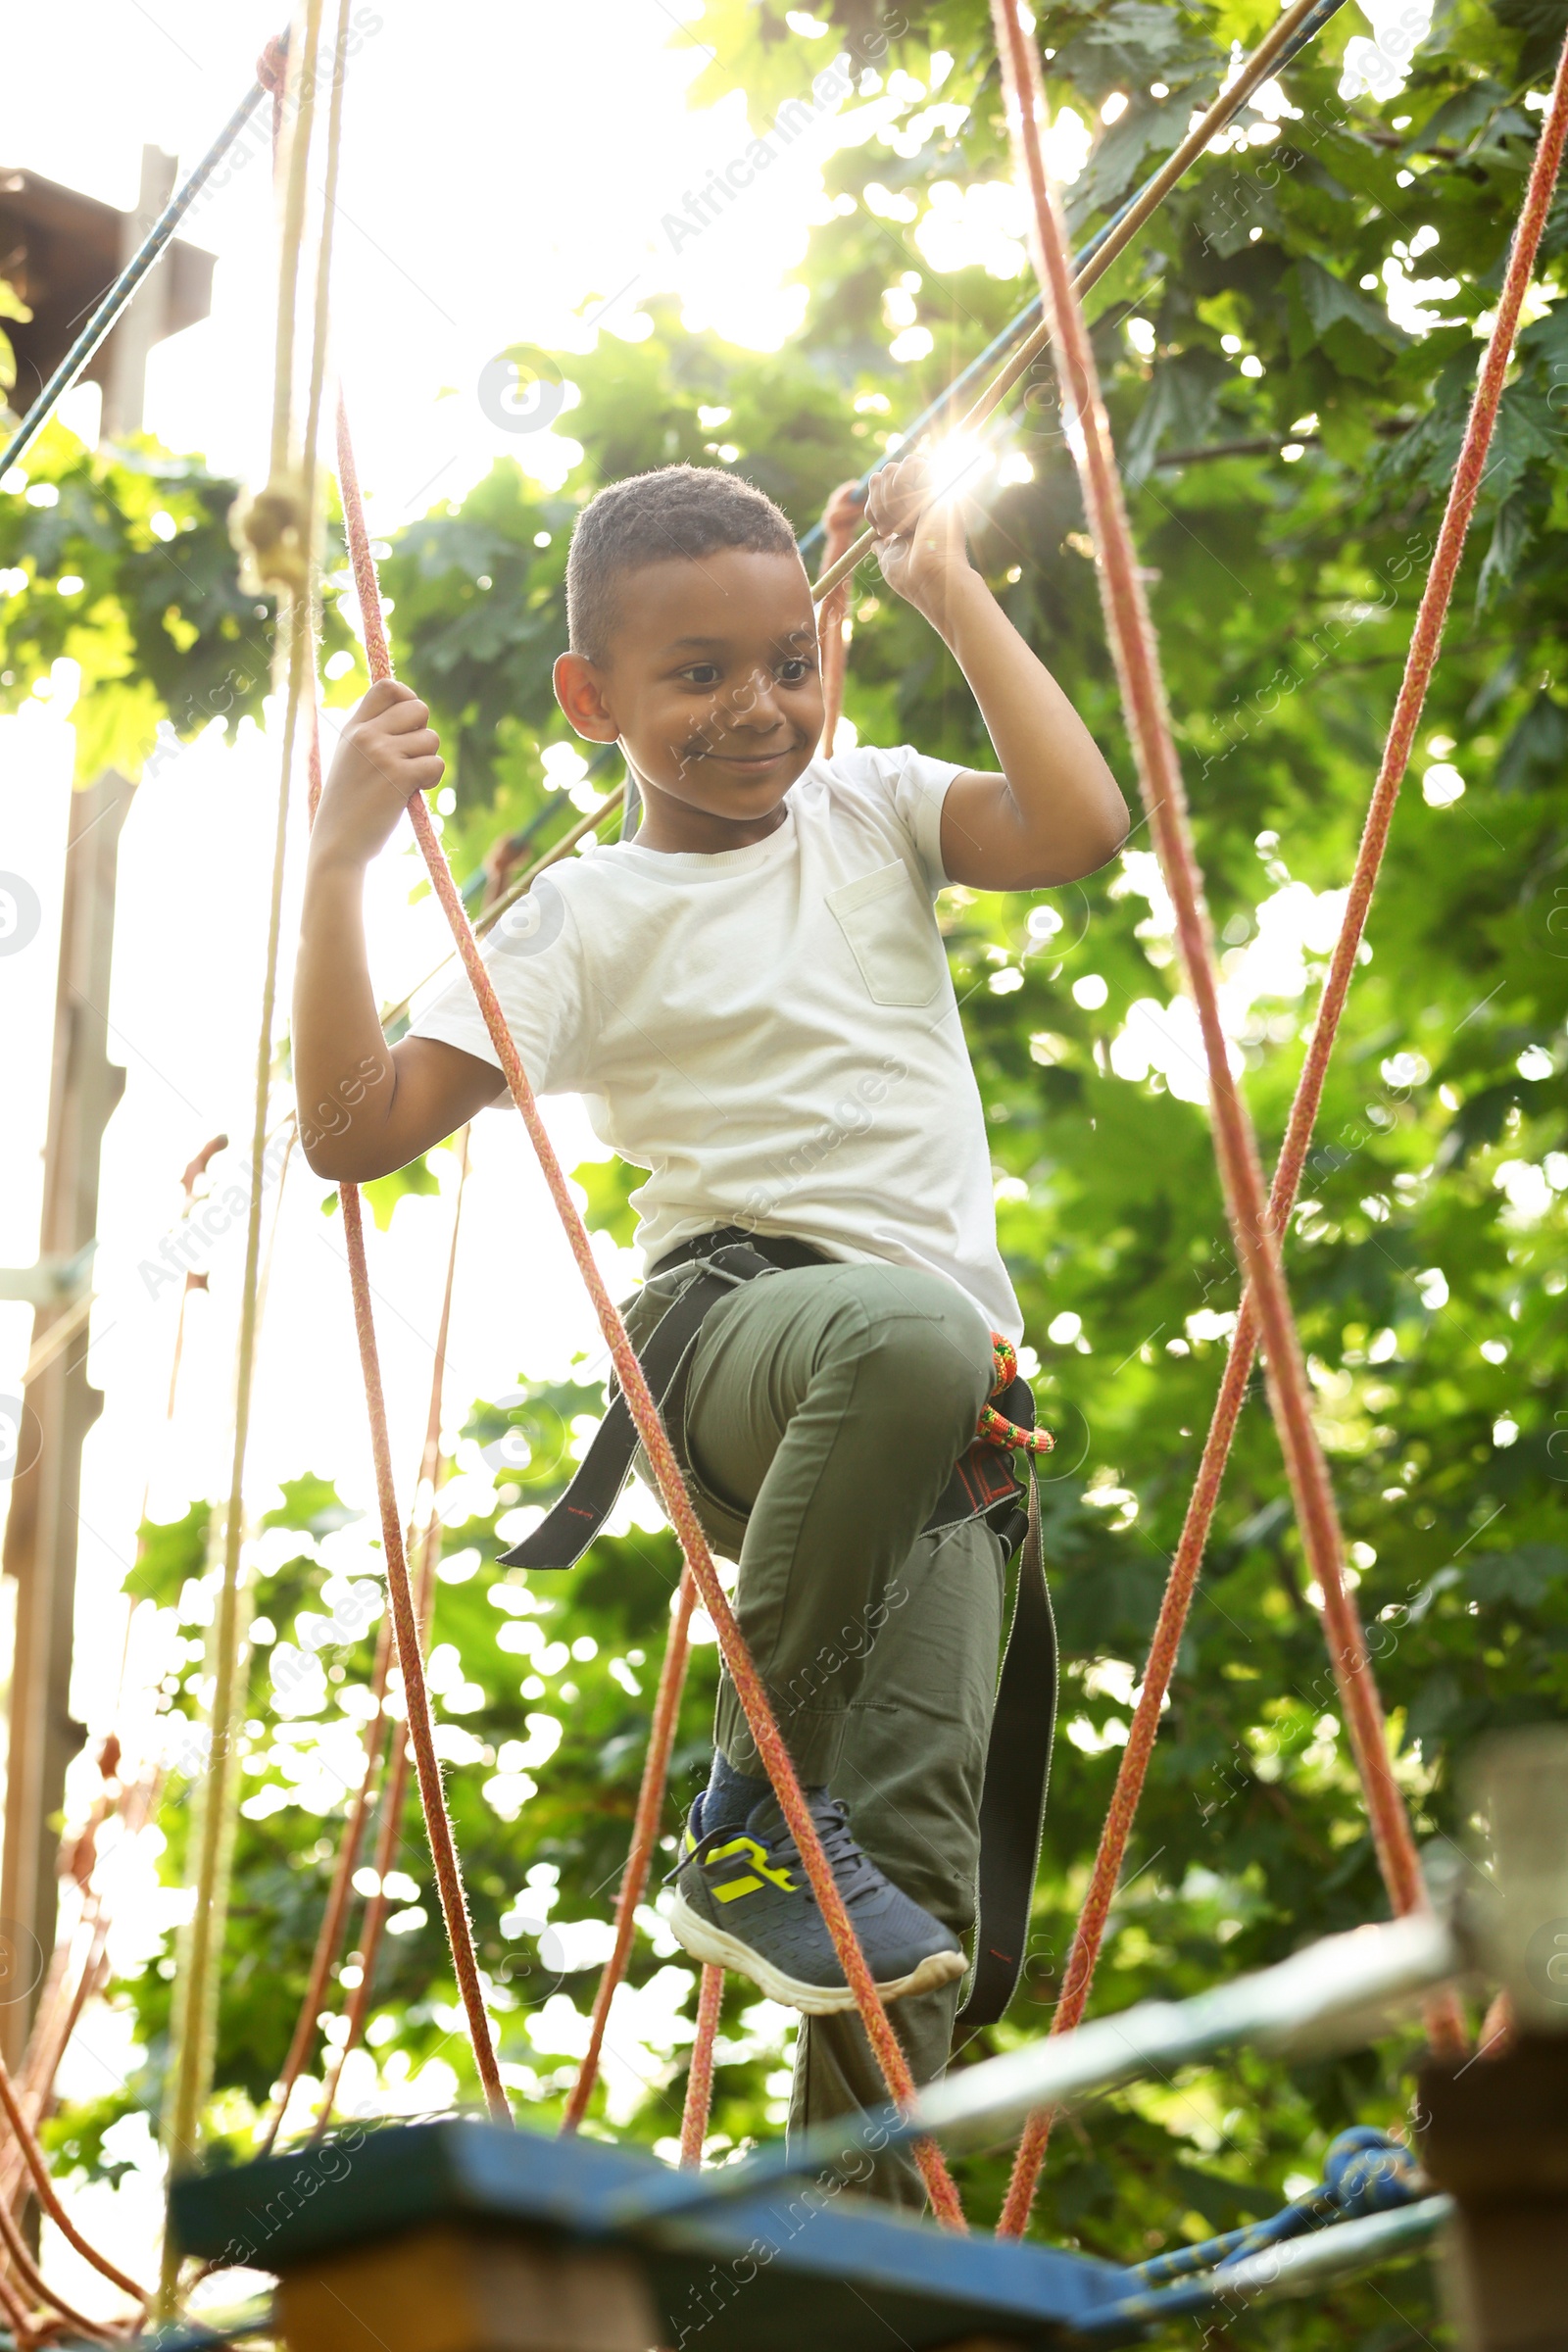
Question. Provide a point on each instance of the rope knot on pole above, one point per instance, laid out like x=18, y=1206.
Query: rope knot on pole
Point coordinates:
x=274, y=532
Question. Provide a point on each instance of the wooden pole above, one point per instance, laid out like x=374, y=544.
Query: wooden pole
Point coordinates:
x=59, y=1408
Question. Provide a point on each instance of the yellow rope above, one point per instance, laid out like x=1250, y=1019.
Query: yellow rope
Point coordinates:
x=196, y=2035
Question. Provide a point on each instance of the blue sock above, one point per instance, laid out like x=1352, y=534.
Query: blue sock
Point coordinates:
x=730, y=1795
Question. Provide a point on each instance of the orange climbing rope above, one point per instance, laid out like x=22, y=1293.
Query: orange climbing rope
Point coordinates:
x=388, y=1842
x=841, y=519
x=1426, y=638
x=1159, y=778
x=699, y=2073
x=644, y=1839
x=329, y=1937
x=650, y=1428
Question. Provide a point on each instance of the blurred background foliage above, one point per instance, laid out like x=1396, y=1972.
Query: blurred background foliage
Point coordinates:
x=1288, y=352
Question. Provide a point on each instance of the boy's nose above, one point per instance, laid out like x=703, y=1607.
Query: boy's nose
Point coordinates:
x=756, y=708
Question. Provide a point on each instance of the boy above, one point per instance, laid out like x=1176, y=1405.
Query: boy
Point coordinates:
x=754, y=997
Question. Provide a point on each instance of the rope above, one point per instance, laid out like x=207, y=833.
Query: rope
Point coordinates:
x=833, y=624
x=1420, y=662
x=129, y=278
x=1137, y=660
x=329, y=1937
x=34, y=2155
x=699, y=2073
x=416, y=1698
x=644, y=1414
x=375, y=1730
x=644, y=1838
x=1294, y=28
x=994, y=1428
x=62, y=2001
x=415, y=1692
x=936, y=411
x=33, y=2278
x=389, y=1840
x=611, y=806
x=197, y=2023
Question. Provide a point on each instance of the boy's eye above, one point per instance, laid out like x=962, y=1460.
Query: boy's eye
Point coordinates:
x=795, y=671
x=702, y=673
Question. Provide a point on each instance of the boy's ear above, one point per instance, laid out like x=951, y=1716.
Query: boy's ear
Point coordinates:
x=581, y=692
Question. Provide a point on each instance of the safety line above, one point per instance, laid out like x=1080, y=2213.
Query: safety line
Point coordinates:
x=1420, y=662
x=1159, y=778
x=388, y=1844
x=330, y=1935
x=415, y=1690
x=33, y=2279
x=699, y=2100
x=199, y=1988
x=644, y=1838
x=644, y=1412
x=129, y=278
x=1265, y=60
x=833, y=623
x=42, y=2181
x=1085, y=260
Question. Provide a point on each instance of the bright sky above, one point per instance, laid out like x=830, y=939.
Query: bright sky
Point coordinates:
x=503, y=167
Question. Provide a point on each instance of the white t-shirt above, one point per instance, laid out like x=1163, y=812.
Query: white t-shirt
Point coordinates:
x=771, y=1031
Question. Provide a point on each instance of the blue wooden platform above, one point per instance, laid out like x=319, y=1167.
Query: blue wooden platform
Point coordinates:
x=802, y=2264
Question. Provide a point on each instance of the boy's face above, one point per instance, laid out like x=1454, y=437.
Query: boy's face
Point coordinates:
x=711, y=689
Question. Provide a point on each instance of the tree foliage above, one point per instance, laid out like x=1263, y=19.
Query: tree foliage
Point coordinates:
x=1287, y=410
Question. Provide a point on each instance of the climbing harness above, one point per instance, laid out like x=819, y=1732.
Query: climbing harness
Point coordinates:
x=980, y=1486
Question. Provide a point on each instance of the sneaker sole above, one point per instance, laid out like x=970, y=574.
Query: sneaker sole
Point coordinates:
x=704, y=1941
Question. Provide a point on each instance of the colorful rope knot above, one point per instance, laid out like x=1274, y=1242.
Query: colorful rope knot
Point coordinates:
x=994, y=1428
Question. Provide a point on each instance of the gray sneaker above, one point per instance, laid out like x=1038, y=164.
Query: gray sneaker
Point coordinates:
x=743, y=1901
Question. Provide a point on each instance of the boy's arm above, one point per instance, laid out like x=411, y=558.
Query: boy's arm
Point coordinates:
x=365, y=1108
x=1056, y=812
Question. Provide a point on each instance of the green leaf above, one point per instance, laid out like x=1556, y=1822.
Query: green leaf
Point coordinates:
x=383, y=1192
x=168, y=1555
x=313, y=1505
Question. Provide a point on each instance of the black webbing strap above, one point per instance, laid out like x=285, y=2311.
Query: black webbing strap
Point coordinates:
x=1013, y=1802
x=567, y=1528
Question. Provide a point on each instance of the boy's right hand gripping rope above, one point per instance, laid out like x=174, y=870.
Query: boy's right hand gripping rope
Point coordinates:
x=994, y=1428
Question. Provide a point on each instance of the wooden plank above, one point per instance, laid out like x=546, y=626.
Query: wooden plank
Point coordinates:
x=453, y=2288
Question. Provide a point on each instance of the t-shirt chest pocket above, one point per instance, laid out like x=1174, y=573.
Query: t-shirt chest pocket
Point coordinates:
x=890, y=936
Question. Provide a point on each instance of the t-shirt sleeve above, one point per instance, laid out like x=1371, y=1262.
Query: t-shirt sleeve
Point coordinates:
x=915, y=789
x=534, y=958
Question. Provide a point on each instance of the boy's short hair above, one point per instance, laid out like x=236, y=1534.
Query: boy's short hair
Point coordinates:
x=677, y=511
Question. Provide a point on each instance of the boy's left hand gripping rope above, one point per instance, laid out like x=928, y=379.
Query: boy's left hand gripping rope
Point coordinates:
x=644, y=1414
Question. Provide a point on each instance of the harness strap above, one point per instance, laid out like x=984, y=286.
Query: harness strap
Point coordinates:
x=1013, y=1800
x=572, y=1522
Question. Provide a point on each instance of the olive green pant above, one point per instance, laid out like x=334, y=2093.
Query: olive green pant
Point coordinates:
x=825, y=1409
